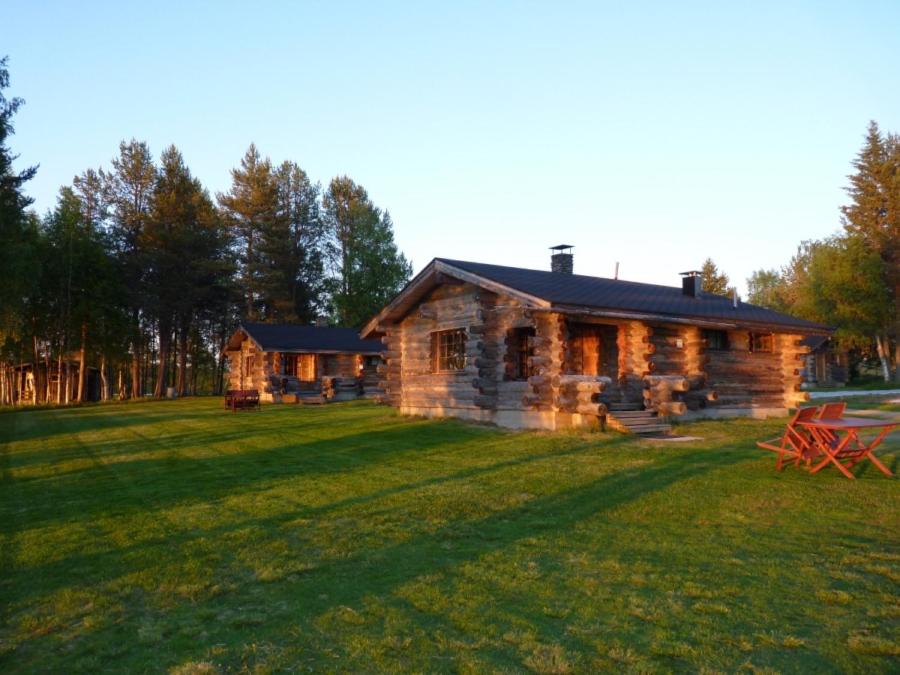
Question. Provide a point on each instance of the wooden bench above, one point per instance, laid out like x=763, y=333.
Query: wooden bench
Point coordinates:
x=241, y=399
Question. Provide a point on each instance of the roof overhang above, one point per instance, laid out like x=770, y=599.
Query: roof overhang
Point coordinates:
x=239, y=335
x=434, y=274
x=702, y=322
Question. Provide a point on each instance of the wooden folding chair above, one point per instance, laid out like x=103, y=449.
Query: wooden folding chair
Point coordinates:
x=796, y=443
x=830, y=411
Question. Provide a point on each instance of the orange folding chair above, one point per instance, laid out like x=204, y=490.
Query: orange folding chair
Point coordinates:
x=796, y=444
x=831, y=411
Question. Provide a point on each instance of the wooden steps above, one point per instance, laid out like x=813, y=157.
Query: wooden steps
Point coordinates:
x=633, y=419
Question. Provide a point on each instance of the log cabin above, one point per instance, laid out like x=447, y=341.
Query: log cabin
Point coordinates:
x=33, y=384
x=526, y=348
x=827, y=365
x=287, y=362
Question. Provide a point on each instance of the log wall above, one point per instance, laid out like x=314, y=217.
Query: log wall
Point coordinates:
x=667, y=367
x=449, y=307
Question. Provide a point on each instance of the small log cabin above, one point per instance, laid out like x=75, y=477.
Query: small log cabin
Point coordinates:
x=279, y=360
x=826, y=364
x=37, y=384
x=525, y=348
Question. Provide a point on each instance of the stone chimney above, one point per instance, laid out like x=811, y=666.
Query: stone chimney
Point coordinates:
x=690, y=283
x=561, y=260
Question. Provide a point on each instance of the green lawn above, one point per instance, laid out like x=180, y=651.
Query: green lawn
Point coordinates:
x=175, y=536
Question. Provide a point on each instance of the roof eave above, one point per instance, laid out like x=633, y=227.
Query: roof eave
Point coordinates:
x=430, y=276
x=703, y=322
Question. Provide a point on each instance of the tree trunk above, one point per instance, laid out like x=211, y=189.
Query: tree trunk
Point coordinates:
x=59, y=377
x=883, y=357
x=35, y=370
x=82, y=363
x=120, y=393
x=136, y=369
x=165, y=339
x=66, y=382
x=897, y=359
x=181, y=384
x=48, y=394
x=104, y=383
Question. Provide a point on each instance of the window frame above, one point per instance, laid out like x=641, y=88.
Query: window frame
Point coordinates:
x=766, y=343
x=448, y=350
x=725, y=344
x=520, y=352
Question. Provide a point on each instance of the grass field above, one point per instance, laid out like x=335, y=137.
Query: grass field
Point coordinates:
x=175, y=536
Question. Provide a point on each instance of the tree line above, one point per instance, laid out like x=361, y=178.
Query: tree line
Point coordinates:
x=851, y=279
x=139, y=272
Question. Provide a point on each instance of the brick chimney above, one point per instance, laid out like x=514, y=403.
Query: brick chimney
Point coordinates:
x=690, y=283
x=561, y=260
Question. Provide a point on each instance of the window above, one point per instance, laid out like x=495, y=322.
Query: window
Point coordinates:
x=716, y=339
x=519, y=353
x=448, y=350
x=761, y=342
x=289, y=362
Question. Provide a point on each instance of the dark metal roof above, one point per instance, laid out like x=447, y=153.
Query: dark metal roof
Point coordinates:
x=299, y=338
x=814, y=342
x=597, y=293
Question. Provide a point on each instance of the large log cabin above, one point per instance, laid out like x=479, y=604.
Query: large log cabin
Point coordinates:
x=525, y=348
x=296, y=360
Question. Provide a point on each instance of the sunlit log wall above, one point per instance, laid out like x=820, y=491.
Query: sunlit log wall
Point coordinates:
x=666, y=367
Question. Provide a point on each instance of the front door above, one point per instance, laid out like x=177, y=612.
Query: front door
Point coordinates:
x=592, y=350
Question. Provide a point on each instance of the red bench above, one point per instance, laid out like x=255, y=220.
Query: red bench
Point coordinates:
x=241, y=399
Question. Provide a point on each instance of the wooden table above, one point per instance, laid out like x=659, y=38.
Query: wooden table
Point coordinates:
x=838, y=439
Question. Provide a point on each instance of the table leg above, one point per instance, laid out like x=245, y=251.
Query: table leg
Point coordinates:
x=831, y=456
x=874, y=444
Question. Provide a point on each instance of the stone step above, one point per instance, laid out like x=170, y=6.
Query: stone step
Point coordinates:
x=651, y=429
x=625, y=406
x=638, y=422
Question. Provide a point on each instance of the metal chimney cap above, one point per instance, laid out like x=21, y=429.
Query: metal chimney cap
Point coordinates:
x=561, y=247
x=691, y=273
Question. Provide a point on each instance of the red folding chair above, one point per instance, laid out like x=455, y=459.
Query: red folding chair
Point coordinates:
x=796, y=443
x=831, y=411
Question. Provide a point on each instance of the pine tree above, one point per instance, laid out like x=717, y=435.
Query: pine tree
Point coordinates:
x=18, y=232
x=250, y=207
x=713, y=281
x=129, y=191
x=366, y=267
x=184, y=249
x=291, y=275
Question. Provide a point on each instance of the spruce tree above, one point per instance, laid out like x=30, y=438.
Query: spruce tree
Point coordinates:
x=18, y=232
x=873, y=218
x=713, y=281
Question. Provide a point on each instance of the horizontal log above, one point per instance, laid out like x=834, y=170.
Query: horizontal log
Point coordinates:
x=599, y=409
x=671, y=408
x=672, y=382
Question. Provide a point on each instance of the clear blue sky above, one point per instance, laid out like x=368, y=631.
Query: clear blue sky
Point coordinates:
x=653, y=134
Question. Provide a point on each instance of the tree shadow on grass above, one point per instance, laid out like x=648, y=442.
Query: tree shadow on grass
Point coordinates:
x=380, y=570
x=118, y=561
x=167, y=479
